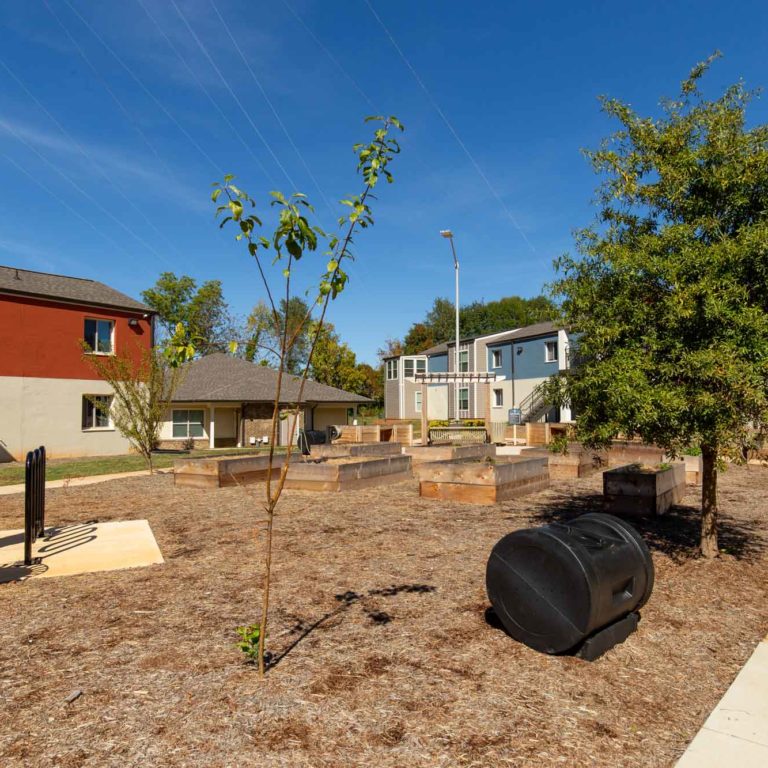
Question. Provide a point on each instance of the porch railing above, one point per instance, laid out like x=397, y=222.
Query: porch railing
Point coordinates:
x=34, y=500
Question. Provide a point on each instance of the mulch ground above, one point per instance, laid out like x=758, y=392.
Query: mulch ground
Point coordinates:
x=384, y=654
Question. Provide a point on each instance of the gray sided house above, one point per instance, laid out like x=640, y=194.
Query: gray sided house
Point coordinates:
x=522, y=360
x=224, y=401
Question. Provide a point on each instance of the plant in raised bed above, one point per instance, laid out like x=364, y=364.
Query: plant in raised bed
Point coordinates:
x=294, y=237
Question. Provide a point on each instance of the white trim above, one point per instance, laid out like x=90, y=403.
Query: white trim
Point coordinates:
x=547, y=347
x=418, y=400
x=98, y=320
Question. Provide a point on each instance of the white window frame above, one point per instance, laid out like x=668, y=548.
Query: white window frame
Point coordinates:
x=421, y=366
x=462, y=363
x=92, y=411
x=97, y=320
x=550, y=345
x=187, y=436
x=496, y=358
x=417, y=401
x=464, y=389
x=408, y=362
x=392, y=368
x=498, y=398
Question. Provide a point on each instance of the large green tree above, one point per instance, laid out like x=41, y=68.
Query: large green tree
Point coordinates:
x=334, y=363
x=202, y=311
x=669, y=297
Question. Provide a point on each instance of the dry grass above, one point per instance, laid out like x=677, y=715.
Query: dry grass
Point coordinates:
x=384, y=655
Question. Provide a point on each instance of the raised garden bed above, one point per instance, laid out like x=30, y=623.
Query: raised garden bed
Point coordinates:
x=624, y=452
x=643, y=491
x=348, y=473
x=577, y=462
x=355, y=449
x=335, y=473
x=424, y=453
x=482, y=481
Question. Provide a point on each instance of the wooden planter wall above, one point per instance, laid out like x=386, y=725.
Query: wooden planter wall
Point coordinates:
x=631, y=493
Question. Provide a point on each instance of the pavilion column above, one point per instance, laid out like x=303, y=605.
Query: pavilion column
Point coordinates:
x=424, y=412
x=488, y=394
x=212, y=427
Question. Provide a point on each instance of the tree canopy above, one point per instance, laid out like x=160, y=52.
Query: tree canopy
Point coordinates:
x=475, y=319
x=670, y=293
x=202, y=311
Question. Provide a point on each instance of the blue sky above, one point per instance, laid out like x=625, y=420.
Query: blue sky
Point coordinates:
x=114, y=122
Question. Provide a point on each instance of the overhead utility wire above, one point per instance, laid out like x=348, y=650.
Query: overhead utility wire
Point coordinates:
x=9, y=128
x=106, y=87
x=231, y=92
x=272, y=107
x=65, y=204
x=85, y=154
x=451, y=128
x=202, y=87
x=146, y=90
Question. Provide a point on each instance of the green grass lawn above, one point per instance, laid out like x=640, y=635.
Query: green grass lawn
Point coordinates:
x=62, y=469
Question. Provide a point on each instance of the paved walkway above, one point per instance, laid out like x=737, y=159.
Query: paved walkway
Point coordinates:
x=736, y=733
x=72, y=482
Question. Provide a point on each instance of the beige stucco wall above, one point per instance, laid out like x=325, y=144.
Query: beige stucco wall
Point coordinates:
x=36, y=411
x=326, y=415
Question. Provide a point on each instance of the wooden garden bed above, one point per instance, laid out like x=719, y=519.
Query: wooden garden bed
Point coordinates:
x=638, y=491
x=624, y=452
x=482, y=481
x=420, y=454
x=356, y=449
x=334, y=473
x=577, y=462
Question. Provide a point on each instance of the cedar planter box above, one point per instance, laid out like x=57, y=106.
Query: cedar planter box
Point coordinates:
x=348, y=473
x=480, y=481
x=222, y=472
x=637, y=491
x=577, y=462
x=327, y=474
x=692, y=470
x=420, y=454
x=355, y=449
x=624, y=452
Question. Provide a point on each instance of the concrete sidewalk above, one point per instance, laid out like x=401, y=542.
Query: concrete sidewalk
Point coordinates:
x=73, y=482
x=736, y=732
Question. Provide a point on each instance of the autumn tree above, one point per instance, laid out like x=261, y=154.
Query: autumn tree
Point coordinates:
x=669, y=297
x=334, y=363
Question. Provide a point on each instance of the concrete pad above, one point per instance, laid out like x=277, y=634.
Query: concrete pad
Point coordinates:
x=80, y=548
x=736, y=732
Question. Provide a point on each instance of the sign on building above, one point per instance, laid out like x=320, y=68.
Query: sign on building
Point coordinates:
x=515, y=416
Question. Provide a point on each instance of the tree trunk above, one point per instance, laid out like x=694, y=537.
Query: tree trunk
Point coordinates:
x=709, y=502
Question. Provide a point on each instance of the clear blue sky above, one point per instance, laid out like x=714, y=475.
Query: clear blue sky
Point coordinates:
x=518, y=82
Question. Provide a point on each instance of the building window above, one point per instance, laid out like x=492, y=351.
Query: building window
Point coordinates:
x=417, y=405
x=96, y=411
x=463, y=361
x=498, y=398
x=421, y=366
x=464, y=399
x=497, y=358
x=391, y=369
x=188, y=423
x=99, y=336
x=409, y=365
x=550, y=351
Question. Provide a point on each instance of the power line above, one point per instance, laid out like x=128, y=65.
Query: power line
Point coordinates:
x=450, y=127
x=83, y=152
x=64, y=203
x=146, y=90
x=202, y=87
x=231, y=92
x=331, y=56
x=272, y=107
x=85, y=194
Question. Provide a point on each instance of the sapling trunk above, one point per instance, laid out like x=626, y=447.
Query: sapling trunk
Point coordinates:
x=708, y=544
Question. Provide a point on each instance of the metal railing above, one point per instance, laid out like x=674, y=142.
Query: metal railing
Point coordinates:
x=34, y=500
x=533, y=405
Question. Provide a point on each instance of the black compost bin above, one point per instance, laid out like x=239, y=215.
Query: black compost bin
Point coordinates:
x=554, y=586
x=308, y=437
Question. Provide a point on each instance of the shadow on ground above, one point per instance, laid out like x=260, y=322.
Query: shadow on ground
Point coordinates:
x=675, y=534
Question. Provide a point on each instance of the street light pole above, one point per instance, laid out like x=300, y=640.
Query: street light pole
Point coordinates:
x=448, y=235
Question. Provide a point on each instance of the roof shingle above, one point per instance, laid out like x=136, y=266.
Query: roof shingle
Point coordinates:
x=26, y=283
x=222, y=378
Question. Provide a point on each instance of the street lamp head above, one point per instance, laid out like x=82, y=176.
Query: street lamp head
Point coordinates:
x=446, y=233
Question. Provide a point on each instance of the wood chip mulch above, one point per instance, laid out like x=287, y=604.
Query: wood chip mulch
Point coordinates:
x=384, y=655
